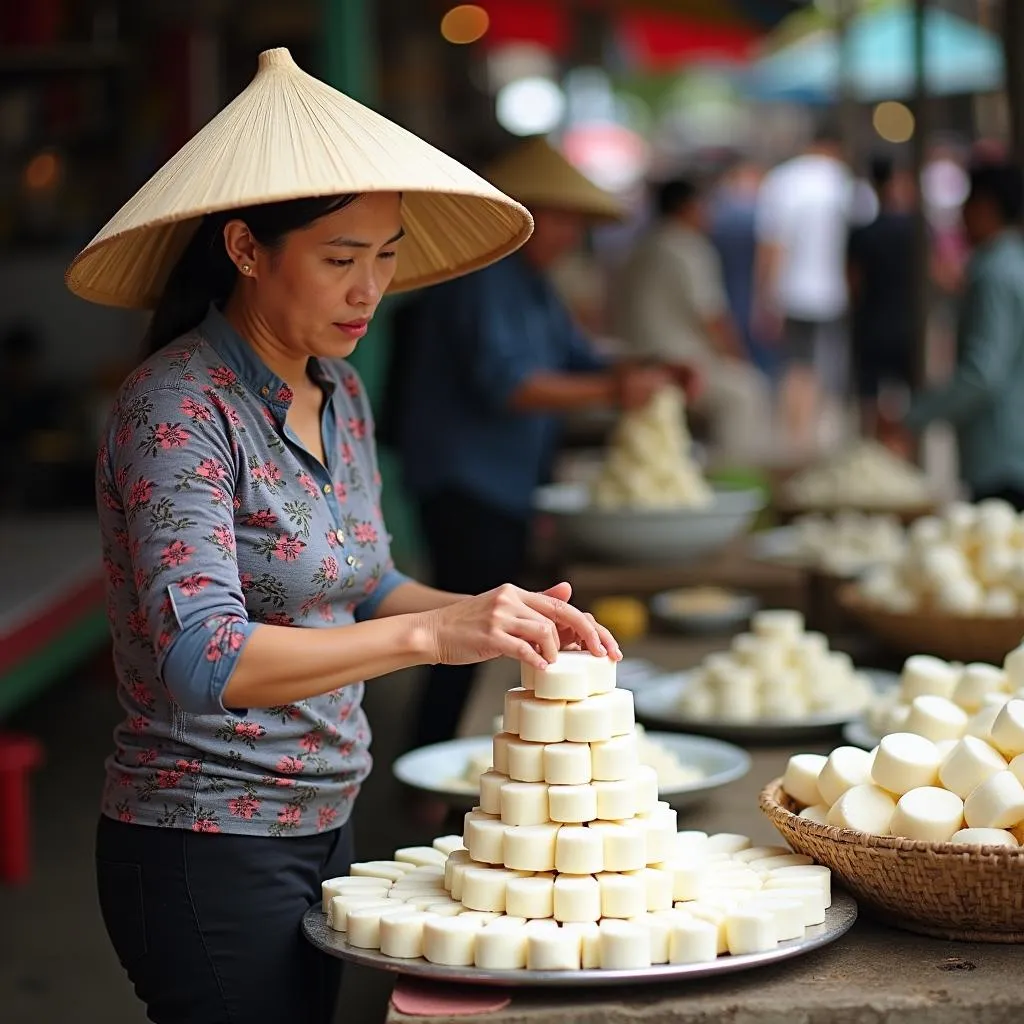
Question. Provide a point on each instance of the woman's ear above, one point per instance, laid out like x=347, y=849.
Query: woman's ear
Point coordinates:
x=241, y=247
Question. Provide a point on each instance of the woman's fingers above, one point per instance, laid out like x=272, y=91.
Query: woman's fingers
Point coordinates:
x=566, y=615
x=607, y=639
x=521, y=650
x=540, y=632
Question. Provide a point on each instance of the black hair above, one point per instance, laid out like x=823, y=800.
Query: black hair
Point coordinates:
x=881, y=171
x=1001, y=184
x=672, y=196
x=205, y=273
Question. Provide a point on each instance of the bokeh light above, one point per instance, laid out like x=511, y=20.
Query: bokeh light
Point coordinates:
x=465, y=24
x=893, y=121
x=531, y=106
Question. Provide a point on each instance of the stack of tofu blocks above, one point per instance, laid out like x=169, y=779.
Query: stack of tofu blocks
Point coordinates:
x=571, y=860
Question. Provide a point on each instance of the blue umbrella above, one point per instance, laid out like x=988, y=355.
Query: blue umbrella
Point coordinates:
x=959, y=58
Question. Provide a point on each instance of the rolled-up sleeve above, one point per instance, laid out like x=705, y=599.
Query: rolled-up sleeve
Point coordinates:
x=174, y=473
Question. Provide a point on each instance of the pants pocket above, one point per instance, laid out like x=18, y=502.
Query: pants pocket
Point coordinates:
x=120, y=894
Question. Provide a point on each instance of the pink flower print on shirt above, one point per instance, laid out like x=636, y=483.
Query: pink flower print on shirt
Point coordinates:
x=223, y=377
x=357, y=428
x=283, y=547
x=365, y=533
x=223, y=537
x=289, y=765
x=309, y=485
x=278, y=619
x=246, y=807
x=115, y=574
x=164, y=437
x=351, y=385
x=325, y=818
x=348, y=456
x=123, y=435
x=262, y=519
x=138, y=624
x=188, y=767
x=137, y=377
x=290, y=816
x=223, y=408
x=121, y=477
x=205, y=825
x=193, y=584
x=140, y=693
x=312, y=742
x=176, y=553
x=147, y=757
x=139, y=494
x=227, y=638
x=195, y=410
x=268, y=416
x=244, y=732
x=166, y=779
x=328, y=571
x=211, y=469
x=285, y=394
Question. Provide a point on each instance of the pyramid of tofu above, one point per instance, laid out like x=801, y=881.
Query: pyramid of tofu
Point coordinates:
x=568, y=818
x=571, y=861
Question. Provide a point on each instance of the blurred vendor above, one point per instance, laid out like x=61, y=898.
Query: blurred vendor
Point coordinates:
x=982, y=398
x=674, y=308
x=482, y=371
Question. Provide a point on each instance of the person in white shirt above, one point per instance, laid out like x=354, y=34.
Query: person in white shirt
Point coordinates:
x=803, y=217
x=672, y=307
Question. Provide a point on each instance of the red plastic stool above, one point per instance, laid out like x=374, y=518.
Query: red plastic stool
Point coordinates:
x=18, y=756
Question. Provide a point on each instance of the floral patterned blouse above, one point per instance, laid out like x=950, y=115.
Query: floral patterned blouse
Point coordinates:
x=215, y=519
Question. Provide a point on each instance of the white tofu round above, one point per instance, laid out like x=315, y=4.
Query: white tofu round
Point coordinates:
x=579, y=850
x=542, y=721
x=589, y=721
x=567, y=764
x=924, y=674
x=450, y=941
x=490, y=791
x=525, y=761
x=1008, y=729
x=985, y=837
x=531, y=898
x=577, y=898
x=928, y=815
x=863, y=808
x=501, y=945
x=968, y=765
x=531, y=847
x=800, y=780
x=905, y=761
x=997, y=803
x=844, y=768
x=818, y=813
x=524, y=803
x=572, y=805
x=936, y=718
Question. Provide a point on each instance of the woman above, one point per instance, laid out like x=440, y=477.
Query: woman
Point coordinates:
x=250, y=588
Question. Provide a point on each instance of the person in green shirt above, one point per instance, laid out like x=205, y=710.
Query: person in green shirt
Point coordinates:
x=982, y=399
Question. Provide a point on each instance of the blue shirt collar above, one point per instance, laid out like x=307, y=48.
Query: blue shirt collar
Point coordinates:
x=239, y=357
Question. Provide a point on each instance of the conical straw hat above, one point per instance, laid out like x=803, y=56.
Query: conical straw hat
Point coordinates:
x=536, y=174
x=290, y=136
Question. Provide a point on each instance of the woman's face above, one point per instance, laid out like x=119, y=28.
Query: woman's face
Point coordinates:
x=319, y=291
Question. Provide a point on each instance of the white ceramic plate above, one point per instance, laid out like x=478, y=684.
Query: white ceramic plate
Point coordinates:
x=779, y=546
x=433, y=768
x=859, y=734
x=660, y=704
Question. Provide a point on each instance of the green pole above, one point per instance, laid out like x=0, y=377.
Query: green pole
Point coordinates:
x=349, y=61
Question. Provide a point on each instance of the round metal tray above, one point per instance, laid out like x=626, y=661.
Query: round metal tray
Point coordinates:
x=659, y=704
x=839, y=918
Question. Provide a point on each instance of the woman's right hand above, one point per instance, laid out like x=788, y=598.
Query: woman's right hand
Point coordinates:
x=513, y=623
x=637, y=384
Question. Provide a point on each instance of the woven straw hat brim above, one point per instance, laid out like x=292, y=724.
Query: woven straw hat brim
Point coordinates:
x=538, y=176
x=290, y=136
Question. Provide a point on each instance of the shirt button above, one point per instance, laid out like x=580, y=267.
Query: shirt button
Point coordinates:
x=351, y=560
x=327, y=488
x=264, y=391
x=339, y=536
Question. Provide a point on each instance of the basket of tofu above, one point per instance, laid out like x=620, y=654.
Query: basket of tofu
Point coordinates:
x=926, y=833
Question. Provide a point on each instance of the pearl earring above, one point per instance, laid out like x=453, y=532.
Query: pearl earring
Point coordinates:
x=246, y=268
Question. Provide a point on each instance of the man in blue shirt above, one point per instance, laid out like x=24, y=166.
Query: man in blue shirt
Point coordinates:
x=982, y=398
x=485, y=367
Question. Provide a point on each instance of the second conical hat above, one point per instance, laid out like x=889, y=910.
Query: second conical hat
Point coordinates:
x=536, y=174
x=290, y=136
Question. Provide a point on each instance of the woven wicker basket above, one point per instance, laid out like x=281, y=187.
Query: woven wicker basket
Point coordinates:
x=937, y=889
x=953, y=637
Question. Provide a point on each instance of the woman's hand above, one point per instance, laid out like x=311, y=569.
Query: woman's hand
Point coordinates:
x=514, y=623
x=636, y=384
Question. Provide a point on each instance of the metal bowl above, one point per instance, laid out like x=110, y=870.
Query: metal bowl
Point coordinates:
x=648, y=536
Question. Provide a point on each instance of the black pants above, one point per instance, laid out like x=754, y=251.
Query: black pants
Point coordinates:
x=208, y=926
x=473, y=547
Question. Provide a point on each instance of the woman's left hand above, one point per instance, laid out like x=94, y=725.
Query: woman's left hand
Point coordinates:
x=567, y=638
